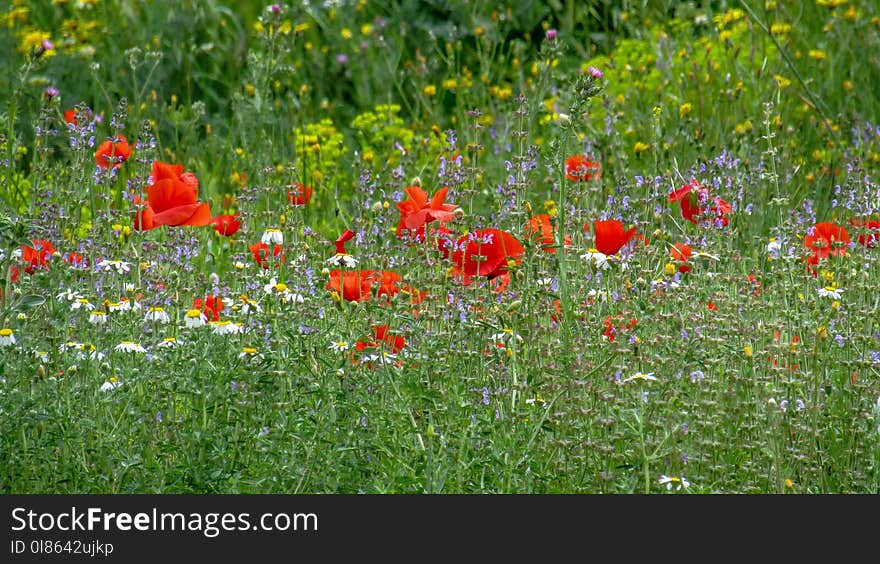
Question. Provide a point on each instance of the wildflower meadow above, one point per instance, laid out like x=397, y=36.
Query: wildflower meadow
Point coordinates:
x=350, y=246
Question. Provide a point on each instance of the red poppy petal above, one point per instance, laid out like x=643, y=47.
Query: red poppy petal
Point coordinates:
x=169, y=193
x=418, y=196
x=188, y=214
x=677, y=195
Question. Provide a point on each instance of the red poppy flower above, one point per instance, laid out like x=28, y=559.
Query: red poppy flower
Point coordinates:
x=387, y=282
x=417, y=211
x=540, y=230
x=211, y=306
x=227, y=225
x=610, y=236
x=70, y=117
x=579, y=168
x=383, y=335
x=167, y=171
x=827, y=239
x=299, y=195
x=695, y=204
x=37, y=256
x=172, y=202
x=872, y=237
x=261, y=254
x=352, y=285
x=681, y=253
x=616, y=324
x=485, y=252
x=112, y=153
x=340, y=242
x=383, y=338
x=76, y=260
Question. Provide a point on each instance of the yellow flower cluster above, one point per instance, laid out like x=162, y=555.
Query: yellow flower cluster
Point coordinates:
x=382, y=131
x=319, y=146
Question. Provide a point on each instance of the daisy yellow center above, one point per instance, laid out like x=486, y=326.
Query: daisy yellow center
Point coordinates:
x=5, y=332
x=280, y=287
x=249, y=350
x=157, y=309
x=193, y=313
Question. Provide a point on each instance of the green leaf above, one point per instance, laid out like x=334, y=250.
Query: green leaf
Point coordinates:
x=29, y=302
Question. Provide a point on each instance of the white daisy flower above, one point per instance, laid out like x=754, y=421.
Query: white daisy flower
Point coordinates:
x=227, y=328
x=674, y=482
x=130, y=346
x=42, y=356
x=120, y=266
x=250, y=353
x=506, y=336
x=88, y=351
x=270, y=287
x=831, y=291
x=7, y=337
x=68, y=295
x=597, y=259
x=98, y=318
x=292, y=297
x=81, y=303
x=169, y=343
x=597, y=295
x=272, y=236
x=248, y=305
x=383, y=357
x=157, y=314
x=110, y=384
x=640, y=376
x=194, y=318
x=339, y=346
x=343, y=259
x=127, y=305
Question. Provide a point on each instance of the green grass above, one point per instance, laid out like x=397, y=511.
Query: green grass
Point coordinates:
x=740, y=375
